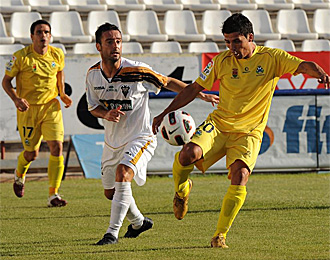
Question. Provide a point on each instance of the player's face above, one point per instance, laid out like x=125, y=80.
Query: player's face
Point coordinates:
x=239, y=45
x=111, y=45
x=41, y=36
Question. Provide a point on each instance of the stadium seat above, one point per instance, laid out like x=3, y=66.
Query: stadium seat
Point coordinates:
x=9, y=49
x=124, y=5
x=310, y=4
x=143, y=26
x=293, y=25
x=85, y=48
x=132, y=48
x=274, y=5
x=199, y=5
x=286, y=45
x=4, y=38
x=162, y=5
x=212, y=22
x=20, y=24
x=11, y=6
x=202, y=47
x=315, y=45
x=165, y=47
x=181, y=26
x=85, y=5
x=59, y=45
x=237, y=5
x=48, y=6
x=67, y=27
x=262, y=25
x=321, y=23
x=96, y=18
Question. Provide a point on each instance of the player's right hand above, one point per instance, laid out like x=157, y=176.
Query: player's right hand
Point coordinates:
x=22, y=104
x=114, y=114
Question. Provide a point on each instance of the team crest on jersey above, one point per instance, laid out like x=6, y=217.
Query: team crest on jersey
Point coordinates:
x=53, y=64
x=234, y=74
x=260, y=71
x=125, y=89
x=207, y=70
x=34, y=67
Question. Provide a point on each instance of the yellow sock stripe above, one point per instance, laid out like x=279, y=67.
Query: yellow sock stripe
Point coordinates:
x=139, y=154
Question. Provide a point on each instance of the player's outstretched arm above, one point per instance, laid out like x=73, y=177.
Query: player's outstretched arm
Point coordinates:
x=314, y=70
x=187, y=95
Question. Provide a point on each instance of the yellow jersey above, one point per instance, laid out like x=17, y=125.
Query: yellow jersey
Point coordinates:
x=36, y=74
x=246, y=87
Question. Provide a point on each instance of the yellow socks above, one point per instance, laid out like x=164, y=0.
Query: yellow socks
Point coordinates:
x=180, y=176
x=55, y=173
x=22, y=166
x=232, y=203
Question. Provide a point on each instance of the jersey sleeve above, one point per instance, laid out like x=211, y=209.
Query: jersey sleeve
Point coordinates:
x=285, y=62
x=61, y=61
x=13, y=65
x=208, y=76
x=92, y=98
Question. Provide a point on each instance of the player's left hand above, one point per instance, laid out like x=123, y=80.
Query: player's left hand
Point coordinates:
x=214, y=99
x=66, y=100
x=325, y=79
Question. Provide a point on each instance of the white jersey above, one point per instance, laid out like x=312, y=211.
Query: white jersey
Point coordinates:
x=128, y=88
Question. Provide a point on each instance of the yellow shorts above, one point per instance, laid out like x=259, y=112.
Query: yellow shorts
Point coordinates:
x=40, y=122
x=235, y=146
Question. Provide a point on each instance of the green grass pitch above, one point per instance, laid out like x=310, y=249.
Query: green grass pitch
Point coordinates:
x=285, y=216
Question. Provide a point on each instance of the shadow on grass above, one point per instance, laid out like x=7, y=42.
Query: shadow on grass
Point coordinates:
x=190, y=212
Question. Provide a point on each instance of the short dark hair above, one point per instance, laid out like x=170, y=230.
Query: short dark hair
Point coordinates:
x=104, y=28
x=33, y=26
x=238, y=23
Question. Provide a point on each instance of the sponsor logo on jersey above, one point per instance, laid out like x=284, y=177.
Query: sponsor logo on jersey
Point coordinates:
x=207, y=70
x=27, y=142
x=246, y=70
x=10, y=63
x=114, y=103
x=99, y=87
x=260, y=71
x=53, y=64
x=111, y=89
x=125, y=89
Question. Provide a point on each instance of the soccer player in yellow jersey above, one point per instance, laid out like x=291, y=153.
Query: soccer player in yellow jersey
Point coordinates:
x=248, y=76
x=38, y=69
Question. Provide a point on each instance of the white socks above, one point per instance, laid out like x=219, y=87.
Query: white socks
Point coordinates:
x=123, y=203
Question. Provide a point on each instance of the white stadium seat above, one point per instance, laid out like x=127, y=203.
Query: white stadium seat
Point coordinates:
x=202, y=47
x=4, y=38
x=20, y=24
x=124, y=5
x=96, y=18
x=212, y=21
x=286, y=45
x=321, y=23
x=48, y=6
x=262, y=25
x=162, y=5
x=199, y=5
x=9, y=49
x=85, y=48
x=181, y=26
x=59, y=45
x=11, y=6
x=274, y=5
x=310, y=4
x=132, y=48
x=315, y=45
x=143, y=26
x=85, y=5
x=67, y=27
x=165, y=47
x=293, y=24
x=237, y=5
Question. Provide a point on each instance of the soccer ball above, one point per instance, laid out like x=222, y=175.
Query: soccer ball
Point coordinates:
x=177, y=128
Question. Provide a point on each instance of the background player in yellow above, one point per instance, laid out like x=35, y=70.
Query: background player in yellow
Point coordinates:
x=248, y=76
x=38, y=69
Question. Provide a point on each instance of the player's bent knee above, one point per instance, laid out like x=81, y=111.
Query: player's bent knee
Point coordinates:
x=189, y=154
x=30, y=156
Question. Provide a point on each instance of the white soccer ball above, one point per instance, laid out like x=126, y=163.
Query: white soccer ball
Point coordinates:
x=177, y=128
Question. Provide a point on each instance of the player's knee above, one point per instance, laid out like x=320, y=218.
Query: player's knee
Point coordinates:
x=30, y=156
x=189, y=154
x=124, y=173
x=240, y=176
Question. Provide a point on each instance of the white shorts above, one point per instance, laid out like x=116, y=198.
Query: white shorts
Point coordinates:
x=135, y=154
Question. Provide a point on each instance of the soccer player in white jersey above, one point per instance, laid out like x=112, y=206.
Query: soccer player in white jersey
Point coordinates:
x=117, y=91
x=248, y=75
